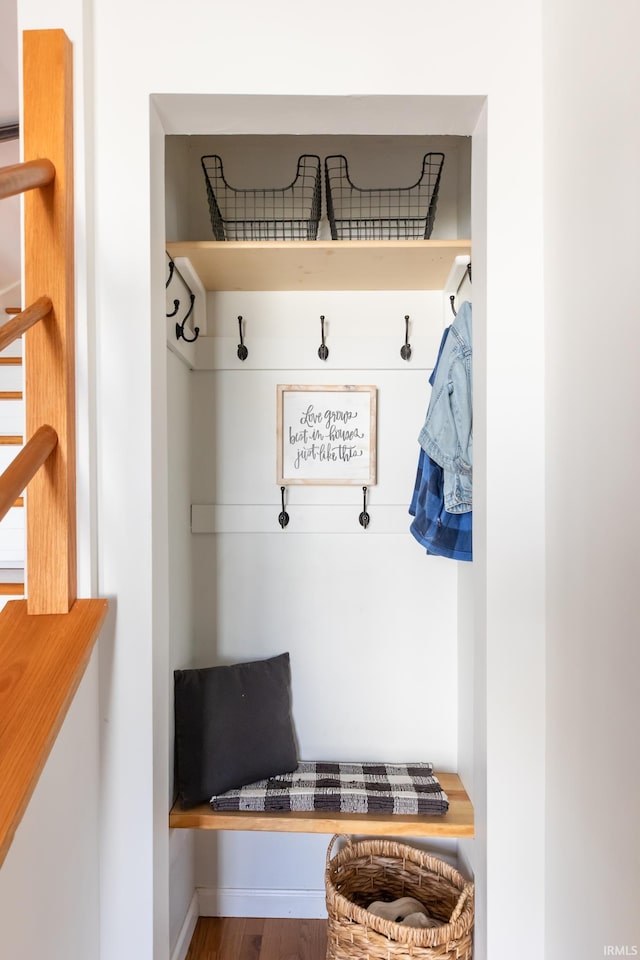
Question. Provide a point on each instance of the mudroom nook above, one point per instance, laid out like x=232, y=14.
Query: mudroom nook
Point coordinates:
x=370, y=621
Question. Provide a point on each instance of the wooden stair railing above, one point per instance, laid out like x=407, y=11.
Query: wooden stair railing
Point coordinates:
x=46, y=179
x=24, y=320
x=47, y=639
x=24, y=466
x=29, y=175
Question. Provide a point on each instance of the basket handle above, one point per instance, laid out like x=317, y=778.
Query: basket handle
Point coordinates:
x=337, y=836
x=467, y=890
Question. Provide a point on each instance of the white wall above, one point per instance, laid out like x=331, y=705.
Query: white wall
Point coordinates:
x=493, y=738
x=425, y=50
x=177, y=61
x=472, y=581
x=592, y=139
x=49, y=882
x=181, y=609
x=368, y=619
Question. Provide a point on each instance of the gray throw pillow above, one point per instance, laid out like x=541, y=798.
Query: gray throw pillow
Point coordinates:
x=233, y=726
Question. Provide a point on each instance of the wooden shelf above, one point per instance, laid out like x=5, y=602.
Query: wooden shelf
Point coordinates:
x=457, y=822
x=322, y=264
x=42, y=660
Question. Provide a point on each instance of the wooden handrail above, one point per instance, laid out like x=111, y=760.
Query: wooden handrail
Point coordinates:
x=25, y=465
x=14, y=328
x=29, y=175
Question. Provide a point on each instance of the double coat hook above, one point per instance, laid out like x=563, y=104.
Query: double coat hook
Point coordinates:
x=452, y=297
x=181, y=325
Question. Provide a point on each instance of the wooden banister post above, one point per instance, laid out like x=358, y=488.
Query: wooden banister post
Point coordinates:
x=49, y=346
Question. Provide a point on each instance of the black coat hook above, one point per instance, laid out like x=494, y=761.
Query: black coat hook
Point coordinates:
x=243, y=353
x=405, y=350
x=180, y=327
x=172, y=267
x=323, y=349
x=364, y=517
x=283, y=516
x=452, y=298
x=176, y=307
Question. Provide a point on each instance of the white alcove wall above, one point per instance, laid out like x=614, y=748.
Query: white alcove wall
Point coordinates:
x=369, y=619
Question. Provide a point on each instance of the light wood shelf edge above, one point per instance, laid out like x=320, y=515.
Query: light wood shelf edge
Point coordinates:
x=457, y=822
x=321, y=264
x=42, y=661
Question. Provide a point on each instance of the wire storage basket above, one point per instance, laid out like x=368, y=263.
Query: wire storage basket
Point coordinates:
x=386, y=213
x=377, y=869
x=279, y=213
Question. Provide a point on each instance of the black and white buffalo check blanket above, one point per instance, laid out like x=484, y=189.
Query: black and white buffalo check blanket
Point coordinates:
x=401, y=788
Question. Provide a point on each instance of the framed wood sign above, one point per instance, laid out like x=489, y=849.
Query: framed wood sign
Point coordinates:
x=326, y=435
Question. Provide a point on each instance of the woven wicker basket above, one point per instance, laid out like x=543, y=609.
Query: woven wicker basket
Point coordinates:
x=369, y=870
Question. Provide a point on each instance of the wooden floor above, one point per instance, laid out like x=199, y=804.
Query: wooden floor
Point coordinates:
x=234, y=938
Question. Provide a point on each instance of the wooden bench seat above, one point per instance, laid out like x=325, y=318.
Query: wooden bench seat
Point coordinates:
x=457, y=822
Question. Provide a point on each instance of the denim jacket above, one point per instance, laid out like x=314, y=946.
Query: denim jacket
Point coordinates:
x=447, y=434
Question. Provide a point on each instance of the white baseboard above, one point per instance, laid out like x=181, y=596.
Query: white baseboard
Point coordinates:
x=186, y=931
x=228, y=902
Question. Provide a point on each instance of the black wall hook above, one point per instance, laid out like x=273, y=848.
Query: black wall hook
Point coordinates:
x=180, y=327
x=452, y=297
x=283, y=516
x=323, y=349
x=405, y=350
x=364, y=517
x=242, y=351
